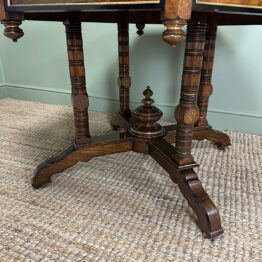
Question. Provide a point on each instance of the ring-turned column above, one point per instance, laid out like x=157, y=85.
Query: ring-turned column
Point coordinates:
x=124, y=78
x=187, y=113
x=206, y=88
x=77, y=74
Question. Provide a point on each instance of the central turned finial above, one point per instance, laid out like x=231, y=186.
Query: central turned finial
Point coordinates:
x=148, y=101
x=145, y=118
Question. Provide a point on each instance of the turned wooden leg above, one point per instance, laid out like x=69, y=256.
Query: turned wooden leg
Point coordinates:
x=105, y=145
x=124, y=79
x=187, y=112
x=78, y=82
x=205, y=87
x=178, y=161
x=80, y=107
x=202, y=129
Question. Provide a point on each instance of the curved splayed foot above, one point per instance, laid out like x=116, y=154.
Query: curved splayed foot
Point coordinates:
x=52, y=166
x=190, y=186
x=105, y=145
x=206, y=211
x=220, y=139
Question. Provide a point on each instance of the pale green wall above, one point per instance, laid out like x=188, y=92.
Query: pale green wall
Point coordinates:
x=36, y=68
x=1, y=73
x=3, y=92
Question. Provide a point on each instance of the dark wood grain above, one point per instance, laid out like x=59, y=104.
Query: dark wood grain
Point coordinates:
x=123, y=61
x=190, y=186
x=187, y=113
x=73, y=2
x=78, y=82
x=202, y=129
x=145, y=119
x=206, y=88
x=107, y=145
x=221, y=139
x=140, y=14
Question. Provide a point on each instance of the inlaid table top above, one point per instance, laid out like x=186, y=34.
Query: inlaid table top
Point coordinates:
x=170, y=8
x=64, y=4
x=172, y=13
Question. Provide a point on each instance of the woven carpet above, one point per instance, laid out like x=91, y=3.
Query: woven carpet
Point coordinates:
x=121, y=207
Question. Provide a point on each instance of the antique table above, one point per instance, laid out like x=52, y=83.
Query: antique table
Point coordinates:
x=142, y=133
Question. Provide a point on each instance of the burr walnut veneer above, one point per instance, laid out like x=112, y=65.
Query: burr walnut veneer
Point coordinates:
x=140, y=131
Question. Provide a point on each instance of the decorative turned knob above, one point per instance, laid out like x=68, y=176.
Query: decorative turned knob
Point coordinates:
x=12, y=29
x=140, y=28
x=174, y=34
x=145, y=118
x=148, y=101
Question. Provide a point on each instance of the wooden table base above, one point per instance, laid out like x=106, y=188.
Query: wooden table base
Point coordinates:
x=142, y=134
x=153, y=140
x=161, y=151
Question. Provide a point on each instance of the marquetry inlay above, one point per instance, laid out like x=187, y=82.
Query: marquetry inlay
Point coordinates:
x=234, y=3
x=32, y=3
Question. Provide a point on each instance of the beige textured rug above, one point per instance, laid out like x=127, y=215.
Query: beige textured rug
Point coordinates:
x=121, y=207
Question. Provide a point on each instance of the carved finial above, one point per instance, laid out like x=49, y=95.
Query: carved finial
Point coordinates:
x=12, y=29
x=148, y=101
x=140, y=28
x=145, y=118
x=174, y=33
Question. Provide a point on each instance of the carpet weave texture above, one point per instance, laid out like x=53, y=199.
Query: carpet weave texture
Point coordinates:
x=121, y=207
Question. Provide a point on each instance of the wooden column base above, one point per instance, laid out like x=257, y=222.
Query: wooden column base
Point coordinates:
x=160, y=149
x=220, y=139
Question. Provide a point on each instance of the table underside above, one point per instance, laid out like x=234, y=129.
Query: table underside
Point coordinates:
x=222, y=12
x=145, y=16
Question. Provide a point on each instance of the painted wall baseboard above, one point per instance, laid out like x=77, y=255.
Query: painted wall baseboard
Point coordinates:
x=3, y=91
x=219, y=119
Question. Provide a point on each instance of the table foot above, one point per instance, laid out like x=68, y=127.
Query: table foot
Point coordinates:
x=190, y=186
x=221, y=139
x=52, y=166
x=106, y=145
x=206, y=211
